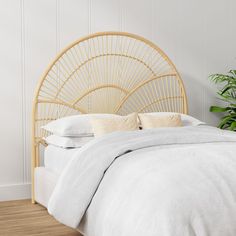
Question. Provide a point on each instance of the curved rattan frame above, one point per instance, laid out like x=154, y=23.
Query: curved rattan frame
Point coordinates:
x=143, y=79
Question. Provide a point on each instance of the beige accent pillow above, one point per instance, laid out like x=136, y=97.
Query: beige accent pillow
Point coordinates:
x=151, y=121
x=104, y=125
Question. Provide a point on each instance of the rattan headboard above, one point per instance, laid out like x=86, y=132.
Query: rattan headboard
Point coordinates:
x=107, y=72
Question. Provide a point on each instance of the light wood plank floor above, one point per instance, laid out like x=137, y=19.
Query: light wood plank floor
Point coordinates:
x=23, y=218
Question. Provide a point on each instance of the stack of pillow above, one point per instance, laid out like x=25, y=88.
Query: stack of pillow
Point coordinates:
x=72, y=131
x=75, y=131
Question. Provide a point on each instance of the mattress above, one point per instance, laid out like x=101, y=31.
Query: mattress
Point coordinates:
x=56, y=158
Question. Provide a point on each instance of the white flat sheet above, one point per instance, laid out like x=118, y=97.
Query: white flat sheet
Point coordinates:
x=56, y=158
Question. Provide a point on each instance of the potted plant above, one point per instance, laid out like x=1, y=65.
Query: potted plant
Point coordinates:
x=228, y=94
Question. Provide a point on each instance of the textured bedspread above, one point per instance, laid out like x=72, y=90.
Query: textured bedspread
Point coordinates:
x=168, y=182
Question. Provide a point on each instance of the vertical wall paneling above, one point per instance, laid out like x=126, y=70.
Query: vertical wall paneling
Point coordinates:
x=231, y=62
x=105, y=15
x=41, y=46
x=191, y=51
x=89, y=16
x=219, y=46
x=58, y=32
x=11, y=138
x=135, y=20
x=73, y=21
x=121, y=10
x=23, y=100
x=198, y=36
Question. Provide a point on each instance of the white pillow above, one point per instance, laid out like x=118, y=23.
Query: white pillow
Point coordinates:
x=186, y=119
x=74, y=126
x=67, y=142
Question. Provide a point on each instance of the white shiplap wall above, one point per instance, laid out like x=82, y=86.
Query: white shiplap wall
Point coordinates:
x=199, y=36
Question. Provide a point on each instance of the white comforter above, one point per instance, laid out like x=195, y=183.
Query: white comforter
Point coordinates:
x=167, y=182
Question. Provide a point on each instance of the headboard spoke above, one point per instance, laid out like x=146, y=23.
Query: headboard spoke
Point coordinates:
x=112, y=72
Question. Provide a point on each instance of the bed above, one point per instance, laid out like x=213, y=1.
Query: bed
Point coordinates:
x=133, y=72
x=167, y=181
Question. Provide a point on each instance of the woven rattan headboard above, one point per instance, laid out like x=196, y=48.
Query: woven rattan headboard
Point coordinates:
x=107, y=72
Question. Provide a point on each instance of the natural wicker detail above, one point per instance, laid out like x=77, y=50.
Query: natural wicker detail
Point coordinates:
x=108, y=72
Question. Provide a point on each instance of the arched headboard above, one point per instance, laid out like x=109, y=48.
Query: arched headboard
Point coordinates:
x=107, y=72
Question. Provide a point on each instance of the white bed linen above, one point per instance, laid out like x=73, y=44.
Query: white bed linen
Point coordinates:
x=56, y=158
x=45, y=181
x=175, y=182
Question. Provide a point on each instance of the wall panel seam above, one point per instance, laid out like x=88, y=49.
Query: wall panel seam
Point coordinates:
x=120, y=15
x=89, y=17
x=152, y=20
x=23, y=98
x=58, y=40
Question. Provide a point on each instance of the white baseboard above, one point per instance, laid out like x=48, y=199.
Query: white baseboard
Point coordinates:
x=15, y=192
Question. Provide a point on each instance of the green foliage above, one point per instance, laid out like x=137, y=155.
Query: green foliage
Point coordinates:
x=227, y=94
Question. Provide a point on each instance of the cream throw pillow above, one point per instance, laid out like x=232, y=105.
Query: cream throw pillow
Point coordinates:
x=104, y=125
x=150, y=121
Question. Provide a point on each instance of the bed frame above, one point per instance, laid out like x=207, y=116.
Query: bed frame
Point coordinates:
x=107, y=72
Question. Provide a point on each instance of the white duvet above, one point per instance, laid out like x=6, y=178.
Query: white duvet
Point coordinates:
x=167, y=182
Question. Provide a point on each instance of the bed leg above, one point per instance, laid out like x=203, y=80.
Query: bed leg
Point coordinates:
x=33, y=165
x=32, y=189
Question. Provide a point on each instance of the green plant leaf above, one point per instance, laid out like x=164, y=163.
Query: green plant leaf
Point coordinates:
x=233, y=125
x=229, y=113
x=218, y=109
x=233, y=72
x=219, y=78
x=227, y=94
x=227, y=88
x=227, y=120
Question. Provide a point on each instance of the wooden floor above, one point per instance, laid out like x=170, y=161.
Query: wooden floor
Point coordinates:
x=24, y=218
